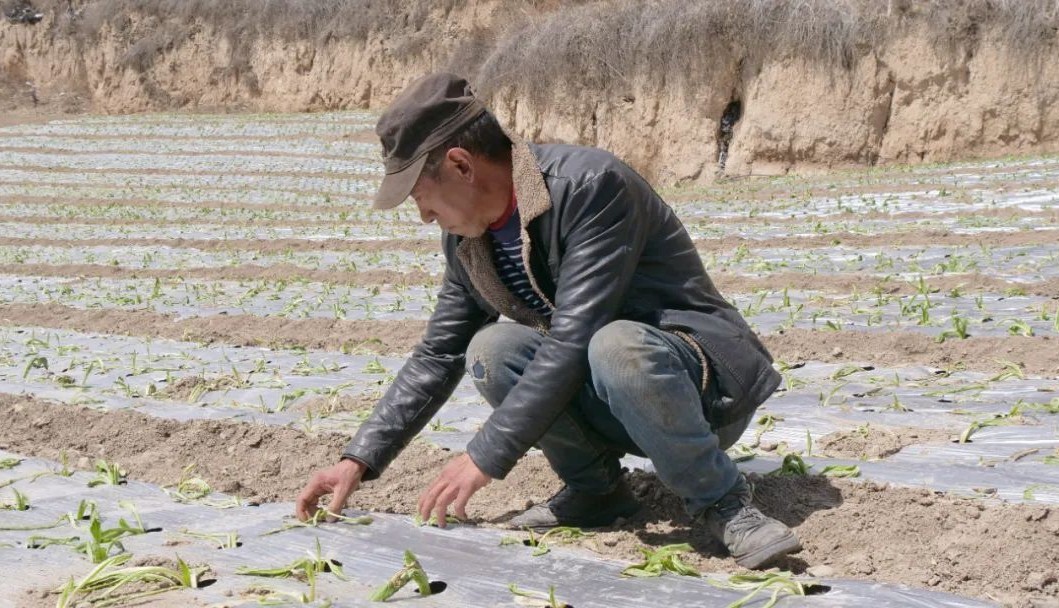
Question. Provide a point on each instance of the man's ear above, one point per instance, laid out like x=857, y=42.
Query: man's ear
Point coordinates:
x=462, y=163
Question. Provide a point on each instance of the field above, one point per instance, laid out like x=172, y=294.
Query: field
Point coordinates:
x=197, y=311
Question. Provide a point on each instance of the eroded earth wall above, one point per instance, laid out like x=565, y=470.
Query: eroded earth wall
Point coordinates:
x=907, y=97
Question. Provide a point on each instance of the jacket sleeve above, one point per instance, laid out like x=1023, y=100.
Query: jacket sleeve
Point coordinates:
x=603, y=233
x=425, y=381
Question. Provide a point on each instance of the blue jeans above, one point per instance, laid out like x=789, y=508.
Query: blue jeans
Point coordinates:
x=642, y=398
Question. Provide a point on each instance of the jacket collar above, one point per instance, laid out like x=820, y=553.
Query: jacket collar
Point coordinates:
x=476, y=254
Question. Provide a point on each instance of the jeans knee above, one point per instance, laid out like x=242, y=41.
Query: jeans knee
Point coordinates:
x=614, y=354
x=496, y=347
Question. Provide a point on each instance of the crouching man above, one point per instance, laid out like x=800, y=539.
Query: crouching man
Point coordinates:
x=618, y=343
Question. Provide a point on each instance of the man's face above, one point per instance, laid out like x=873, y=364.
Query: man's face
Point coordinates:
x=454, y=197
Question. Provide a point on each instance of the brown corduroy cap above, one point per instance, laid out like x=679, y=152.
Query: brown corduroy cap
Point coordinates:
x=428, y=112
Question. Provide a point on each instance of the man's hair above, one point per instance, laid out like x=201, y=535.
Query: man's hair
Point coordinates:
x=483, y=138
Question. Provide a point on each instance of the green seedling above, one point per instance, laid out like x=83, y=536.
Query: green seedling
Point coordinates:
x=781, y=583
x=666, y=558
x=9, y=463
x=538, y=595
x=223, y=540
x=840, y=470
x=107, y=473
x=102, y=583
x=959, y=330
x=438, y=426
x=35, y=363
x=375, y=367
x=792, y=465
x=21, y=502
x=412, y=571
x=101, y=542
x=1018, y=327
x=1030, y=492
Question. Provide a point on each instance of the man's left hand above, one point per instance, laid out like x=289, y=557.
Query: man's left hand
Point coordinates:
x=458, y=481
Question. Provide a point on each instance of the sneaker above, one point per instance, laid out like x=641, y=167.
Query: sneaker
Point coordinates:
x=753, y=538
x=569, y=507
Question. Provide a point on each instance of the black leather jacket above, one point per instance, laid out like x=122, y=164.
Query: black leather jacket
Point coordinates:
x=600, y=245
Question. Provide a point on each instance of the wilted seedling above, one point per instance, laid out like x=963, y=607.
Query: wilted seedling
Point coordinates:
x=107, y=578
x=561, y=534
x=840, y=470
x=107, y=473
x=741, y=452
x=223, y=540
x=412, y=571
x=666, y=558
x=304, y=569
x=1011, y=370
x=41, y=542
x=321, y=516
x=9, y=463
x=433, y=521
x=781, y=583
x=539, y=595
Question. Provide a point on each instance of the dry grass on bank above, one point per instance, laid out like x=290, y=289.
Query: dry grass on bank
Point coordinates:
x=538, y=44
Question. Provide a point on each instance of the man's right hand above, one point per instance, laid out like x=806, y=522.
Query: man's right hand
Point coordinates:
x=339, y=480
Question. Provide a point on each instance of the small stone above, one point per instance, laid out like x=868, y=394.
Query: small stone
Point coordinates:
x=820, y=571
x=610, y=541
x=1037, y=515
x=837, y=352
x=1034, y=581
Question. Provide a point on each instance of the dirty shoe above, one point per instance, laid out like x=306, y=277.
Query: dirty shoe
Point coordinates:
x=570, y=507
x=753, y=538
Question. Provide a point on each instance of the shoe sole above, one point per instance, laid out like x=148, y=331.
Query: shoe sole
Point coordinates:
x=769, y=553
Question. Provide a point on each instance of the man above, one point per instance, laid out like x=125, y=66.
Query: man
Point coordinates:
x=621, y=343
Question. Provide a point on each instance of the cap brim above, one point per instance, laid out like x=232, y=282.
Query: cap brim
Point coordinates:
x=396, y=187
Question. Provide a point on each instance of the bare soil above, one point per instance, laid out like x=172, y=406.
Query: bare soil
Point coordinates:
x=378, y=337
x=837, y=520
x=1036, y=356
x=246, y=272
x=876, y=442
x=924, y=238
x=728, y=283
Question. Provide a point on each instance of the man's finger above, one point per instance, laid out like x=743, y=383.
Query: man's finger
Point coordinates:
x=306, y=500
x=460, y=506
x=339, y=497
x=442, y=506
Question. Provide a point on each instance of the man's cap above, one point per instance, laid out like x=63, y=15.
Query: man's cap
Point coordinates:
x=427, y=113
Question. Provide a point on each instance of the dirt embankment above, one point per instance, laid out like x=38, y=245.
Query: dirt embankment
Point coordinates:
x=670, y=87
x=836, y=519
